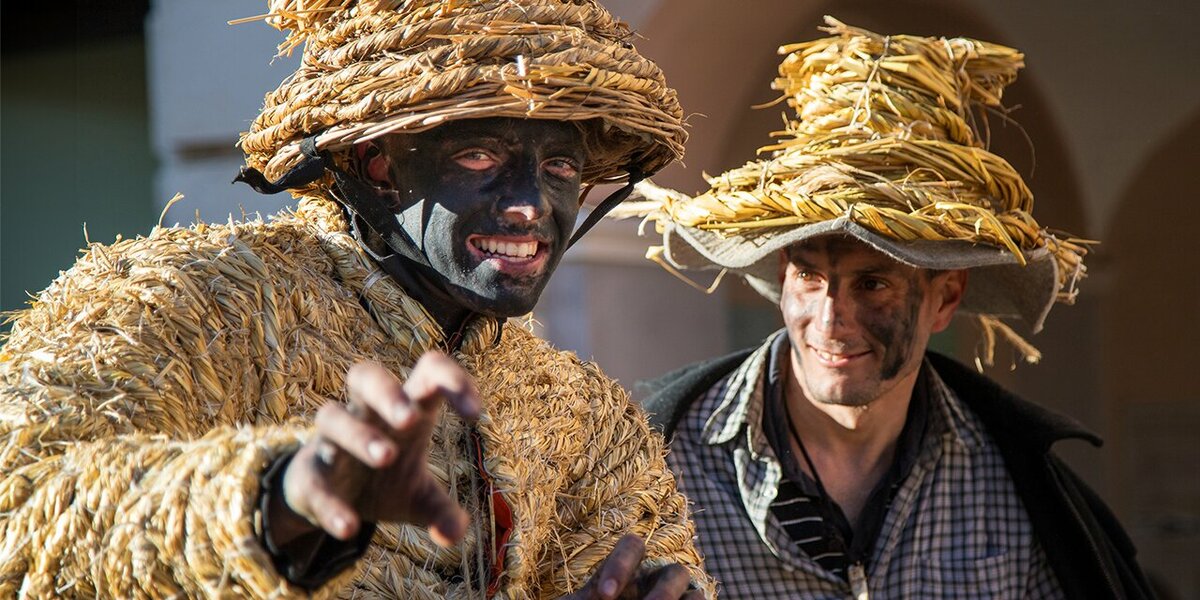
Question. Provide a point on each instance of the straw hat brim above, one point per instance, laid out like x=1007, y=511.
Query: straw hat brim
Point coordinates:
x=998, y=285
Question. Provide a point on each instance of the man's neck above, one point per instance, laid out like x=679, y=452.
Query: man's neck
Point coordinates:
x=851, y=447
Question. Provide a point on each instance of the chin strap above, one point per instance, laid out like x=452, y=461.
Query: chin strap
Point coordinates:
x=609, y=203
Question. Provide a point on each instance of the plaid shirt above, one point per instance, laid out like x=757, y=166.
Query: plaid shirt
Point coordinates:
x=955, y=529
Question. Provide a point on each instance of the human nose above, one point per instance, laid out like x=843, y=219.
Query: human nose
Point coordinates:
x=831, y=311
x=521, y=197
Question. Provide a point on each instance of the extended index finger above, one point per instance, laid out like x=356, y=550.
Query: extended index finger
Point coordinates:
x=619, y=568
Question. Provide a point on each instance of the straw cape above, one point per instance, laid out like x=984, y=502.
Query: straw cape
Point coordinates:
x=149, y=387
x=887, y=144
x=145, y=391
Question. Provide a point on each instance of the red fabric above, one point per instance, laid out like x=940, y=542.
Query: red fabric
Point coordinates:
x=501, y=520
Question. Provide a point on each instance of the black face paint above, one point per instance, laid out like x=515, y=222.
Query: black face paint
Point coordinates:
x=894, y=329
x=486, y=207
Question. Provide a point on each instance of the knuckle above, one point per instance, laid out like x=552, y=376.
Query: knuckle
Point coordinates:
x=429, y=360
x=363, y=368
x=675, y=571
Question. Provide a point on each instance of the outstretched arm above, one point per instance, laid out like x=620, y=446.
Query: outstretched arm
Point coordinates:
x=126, y=463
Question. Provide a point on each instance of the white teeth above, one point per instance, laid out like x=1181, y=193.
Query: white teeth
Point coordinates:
x=513, y=249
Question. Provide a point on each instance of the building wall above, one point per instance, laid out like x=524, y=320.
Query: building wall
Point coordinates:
x=75, y=155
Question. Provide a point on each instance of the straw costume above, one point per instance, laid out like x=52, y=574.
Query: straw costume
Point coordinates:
x=146, y=391
x=887, y=145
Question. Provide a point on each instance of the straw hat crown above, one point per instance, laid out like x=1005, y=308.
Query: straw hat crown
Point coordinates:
x=372, y=67
x=890, y=130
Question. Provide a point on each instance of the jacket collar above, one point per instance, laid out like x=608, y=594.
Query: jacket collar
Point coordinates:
x=1007, y=416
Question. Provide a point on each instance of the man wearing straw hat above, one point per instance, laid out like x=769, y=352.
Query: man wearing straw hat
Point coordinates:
x=157, y=401
x=840, y=458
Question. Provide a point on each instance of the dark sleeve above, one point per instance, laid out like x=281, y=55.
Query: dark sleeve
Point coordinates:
x=1133, y=580
x=314, y=558
x=1106, y=530
x=668, y=397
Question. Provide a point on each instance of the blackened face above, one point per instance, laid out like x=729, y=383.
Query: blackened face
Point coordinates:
x=859, y=321
x=490, y=203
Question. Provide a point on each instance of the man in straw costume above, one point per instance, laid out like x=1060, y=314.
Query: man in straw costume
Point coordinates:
x=157, y=433
x=840, y=458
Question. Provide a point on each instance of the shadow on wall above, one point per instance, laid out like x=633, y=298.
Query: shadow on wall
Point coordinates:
x=76, y=143
x=1150, y=355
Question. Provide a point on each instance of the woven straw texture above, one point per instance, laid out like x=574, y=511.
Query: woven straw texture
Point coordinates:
x=375, y=67
x=891, y=132
x=147, y=389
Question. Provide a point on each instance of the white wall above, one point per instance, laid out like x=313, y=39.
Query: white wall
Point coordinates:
x=206, y=81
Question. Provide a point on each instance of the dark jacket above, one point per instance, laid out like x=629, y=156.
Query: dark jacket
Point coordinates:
x=1085, y=545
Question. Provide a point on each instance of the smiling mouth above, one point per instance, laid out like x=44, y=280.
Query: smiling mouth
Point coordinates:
x=509, y=253
x=835, y=359
x=501, y=247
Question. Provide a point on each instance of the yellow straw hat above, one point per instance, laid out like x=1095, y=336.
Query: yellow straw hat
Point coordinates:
x=372, y=67
x=885, y=146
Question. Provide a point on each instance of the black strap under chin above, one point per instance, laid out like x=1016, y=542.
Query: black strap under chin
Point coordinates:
x=609, y=203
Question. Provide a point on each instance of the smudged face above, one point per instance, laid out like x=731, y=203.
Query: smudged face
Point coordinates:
x=858, y=320
x=488, y=205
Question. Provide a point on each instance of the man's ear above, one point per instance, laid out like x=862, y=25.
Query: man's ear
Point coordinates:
x=947, y=290
x=783, y=265
x=375, y=164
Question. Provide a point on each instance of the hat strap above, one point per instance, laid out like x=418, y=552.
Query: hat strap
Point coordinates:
x=609, y=203
x=308, y=170
x=314, y=164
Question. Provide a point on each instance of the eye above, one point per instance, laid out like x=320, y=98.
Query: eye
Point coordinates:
x=564, y=168
x=476, y=159
x=872, y=284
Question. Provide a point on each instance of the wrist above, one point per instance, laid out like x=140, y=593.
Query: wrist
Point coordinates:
x=280, y=523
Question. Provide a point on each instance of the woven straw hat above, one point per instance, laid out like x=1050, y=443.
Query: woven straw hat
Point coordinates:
x=372, y=67
x=886, y=146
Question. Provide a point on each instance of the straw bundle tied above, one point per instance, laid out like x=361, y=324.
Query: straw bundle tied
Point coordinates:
x=891, y=133
x=148, y=388
x=376, y=67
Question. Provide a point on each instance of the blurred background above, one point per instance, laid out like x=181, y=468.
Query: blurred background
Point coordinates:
x=111, y=108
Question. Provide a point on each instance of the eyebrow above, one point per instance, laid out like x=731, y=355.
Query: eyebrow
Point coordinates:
x=880, y=269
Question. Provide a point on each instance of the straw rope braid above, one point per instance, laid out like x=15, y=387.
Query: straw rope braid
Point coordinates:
x=372, y=68
x=148, y=388
x=887, y=137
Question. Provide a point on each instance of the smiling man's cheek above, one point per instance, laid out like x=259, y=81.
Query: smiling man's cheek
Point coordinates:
x=893, y=326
